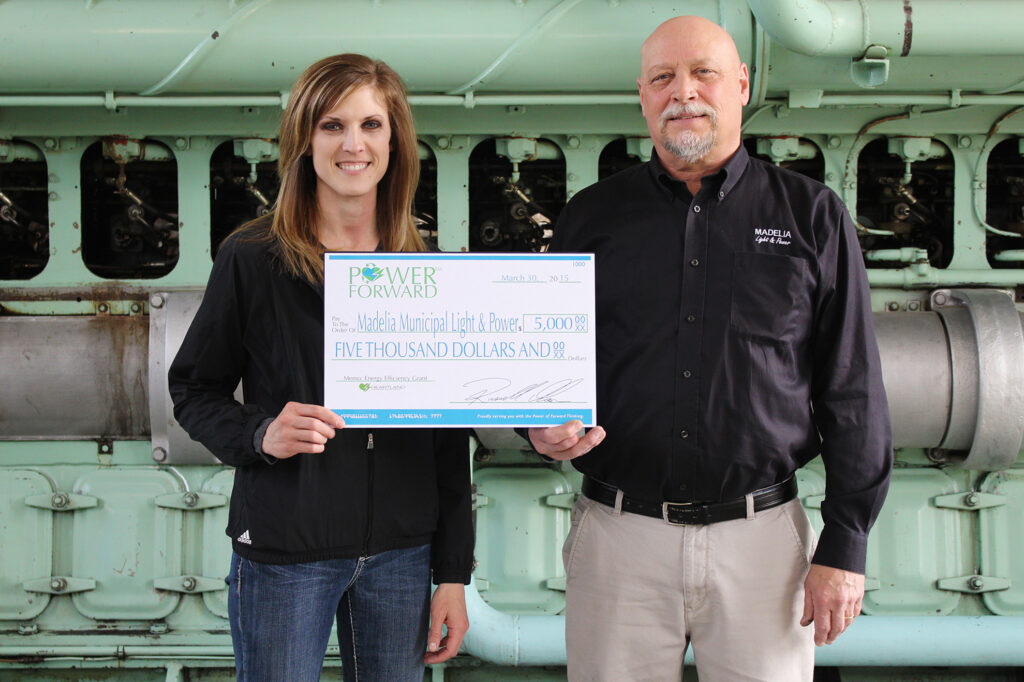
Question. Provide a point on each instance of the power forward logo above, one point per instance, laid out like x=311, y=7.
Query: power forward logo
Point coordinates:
x=244, y=538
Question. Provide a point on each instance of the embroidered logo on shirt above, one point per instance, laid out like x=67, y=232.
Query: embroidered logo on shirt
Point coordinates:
x=772, y=235
x=244, y=538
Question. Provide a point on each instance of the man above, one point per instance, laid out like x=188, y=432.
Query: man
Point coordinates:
x=734, y=343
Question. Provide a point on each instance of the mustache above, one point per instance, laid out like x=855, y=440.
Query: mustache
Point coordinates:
x=691, y=109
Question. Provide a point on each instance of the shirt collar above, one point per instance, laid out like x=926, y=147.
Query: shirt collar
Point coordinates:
x=725, y=179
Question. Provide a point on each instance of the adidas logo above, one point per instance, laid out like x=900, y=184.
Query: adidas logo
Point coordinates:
x=244, y=537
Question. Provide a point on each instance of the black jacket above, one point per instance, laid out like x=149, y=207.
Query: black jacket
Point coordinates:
x=369, y=491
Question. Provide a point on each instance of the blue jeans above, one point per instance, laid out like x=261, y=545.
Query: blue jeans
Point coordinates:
x=281, y=616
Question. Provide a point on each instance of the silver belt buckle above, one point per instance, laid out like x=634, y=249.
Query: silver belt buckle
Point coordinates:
x=664, y=512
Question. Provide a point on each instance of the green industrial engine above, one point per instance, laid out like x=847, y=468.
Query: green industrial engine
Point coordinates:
x=135, y=135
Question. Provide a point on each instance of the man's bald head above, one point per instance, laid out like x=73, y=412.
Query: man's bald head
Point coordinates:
x=693, y=29
x=692, y=91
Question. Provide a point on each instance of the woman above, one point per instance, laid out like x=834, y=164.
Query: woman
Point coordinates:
x=326, y=522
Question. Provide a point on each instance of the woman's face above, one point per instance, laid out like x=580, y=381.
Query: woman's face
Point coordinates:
x=351, y=146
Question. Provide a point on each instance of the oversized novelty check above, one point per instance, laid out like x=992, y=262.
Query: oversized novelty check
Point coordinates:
x=459, y=339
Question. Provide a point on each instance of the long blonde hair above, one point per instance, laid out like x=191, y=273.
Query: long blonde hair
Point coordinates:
x=319, y=89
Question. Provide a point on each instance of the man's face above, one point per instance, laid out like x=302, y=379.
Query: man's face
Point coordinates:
x=692, y=91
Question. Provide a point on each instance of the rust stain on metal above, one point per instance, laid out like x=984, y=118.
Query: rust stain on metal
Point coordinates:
x=97, y=292
x=908, y=27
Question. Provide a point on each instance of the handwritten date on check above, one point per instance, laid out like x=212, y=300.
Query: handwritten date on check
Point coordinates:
x=459, y=339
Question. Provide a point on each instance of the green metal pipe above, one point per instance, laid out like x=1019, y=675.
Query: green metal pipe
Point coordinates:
x=917, y=277
x=131, y=651
x=18, y=151
x=954, y=99
x=1011, y=256
x=528, y=37
x=471, y=100
x=934, y=28
x=205, y=46
x=467, y=101
x=871, y=640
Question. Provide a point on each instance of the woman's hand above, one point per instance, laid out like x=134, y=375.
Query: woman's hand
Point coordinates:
x=447, y=607
x=300, y=428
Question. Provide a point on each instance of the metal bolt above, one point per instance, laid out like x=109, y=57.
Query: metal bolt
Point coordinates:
x=156, y=301
x=136, y=307
x=913, y=305
x=444, y=142
x=60, y=500
x=573, y=142
x=28, y=629
x=975, y=582
x=964, y=141
x=181, y=143
x=52, y=196
x=893, y=306
x=159, y=455
x=571, y=177
x=103, y=307
x=940, y=299
x=972, y=499
x=834, y=141
x=191, y=498
x=58, y=584
x=188, y=584
x=50, y=143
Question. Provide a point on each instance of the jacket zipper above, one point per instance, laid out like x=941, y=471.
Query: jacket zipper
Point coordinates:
x=369, y=494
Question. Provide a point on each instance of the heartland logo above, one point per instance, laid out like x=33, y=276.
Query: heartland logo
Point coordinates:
x=244, y=538
x=770, y=235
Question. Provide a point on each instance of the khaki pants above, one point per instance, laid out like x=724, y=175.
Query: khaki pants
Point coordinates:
x=639, y=591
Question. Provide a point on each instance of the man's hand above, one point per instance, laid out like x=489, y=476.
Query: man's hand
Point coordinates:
x=832, y=599
x=563, y=441
x=447, y=607
x=300, y=428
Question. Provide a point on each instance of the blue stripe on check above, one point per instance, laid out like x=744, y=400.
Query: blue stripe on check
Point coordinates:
x=459, y=256
x=530, y=417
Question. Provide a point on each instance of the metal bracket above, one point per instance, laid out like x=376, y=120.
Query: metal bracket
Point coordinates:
x=61, y=501
x=557, y=584
x=986, y=343
x=481, y=501
x=561, y=500
x=813, y=501
x=973, y=584
x=971, y=501
x=189, y=584
x=59, y=584
x=191, y=501
x=872, y=69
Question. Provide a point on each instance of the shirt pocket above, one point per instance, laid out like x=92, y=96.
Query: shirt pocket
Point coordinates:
x=769, y=296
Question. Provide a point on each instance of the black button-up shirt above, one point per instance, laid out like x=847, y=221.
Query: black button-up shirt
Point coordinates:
x=734, y=342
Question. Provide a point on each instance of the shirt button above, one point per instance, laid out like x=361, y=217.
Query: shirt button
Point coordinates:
x=695, y=262
x=721, y=195
x=687, y=373
x=696, y=209
x=691, y=319
x=684, y=434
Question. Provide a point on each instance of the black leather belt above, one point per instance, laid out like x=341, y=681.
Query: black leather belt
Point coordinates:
x=693, y=513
